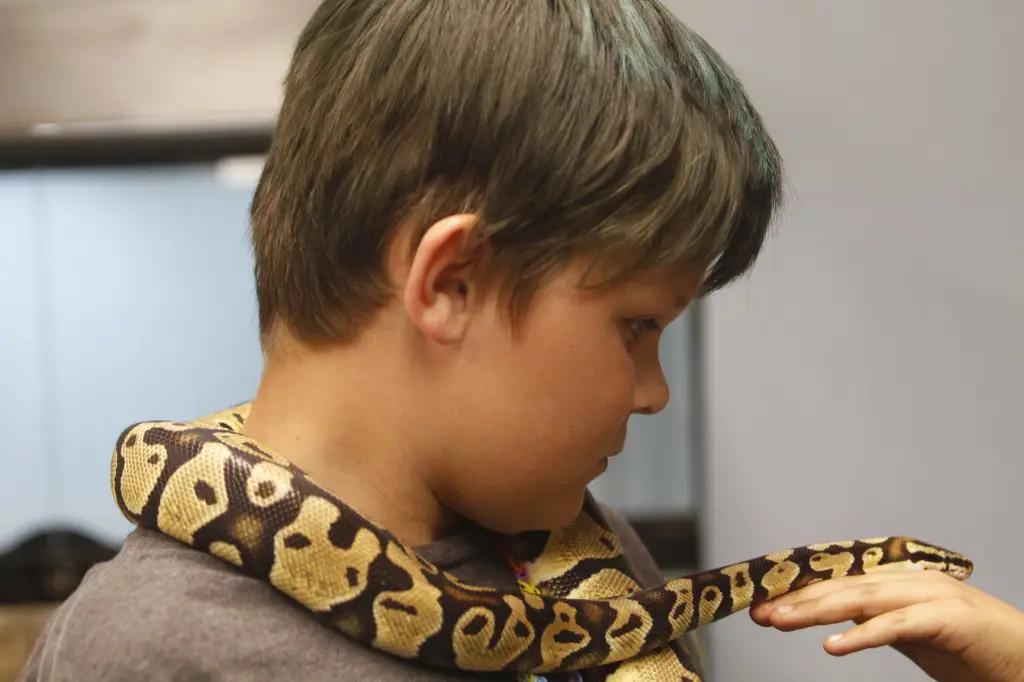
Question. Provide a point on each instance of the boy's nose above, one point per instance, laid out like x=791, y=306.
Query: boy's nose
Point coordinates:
x=652, y=392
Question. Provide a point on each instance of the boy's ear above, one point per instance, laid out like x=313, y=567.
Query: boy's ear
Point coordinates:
x=439, y=285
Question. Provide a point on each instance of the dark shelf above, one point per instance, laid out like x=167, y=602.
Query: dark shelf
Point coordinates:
x=129, y=150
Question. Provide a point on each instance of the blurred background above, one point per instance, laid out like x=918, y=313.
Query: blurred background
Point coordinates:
x=865, y=380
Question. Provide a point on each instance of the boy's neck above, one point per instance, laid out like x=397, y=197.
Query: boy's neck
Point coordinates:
x=326, y=413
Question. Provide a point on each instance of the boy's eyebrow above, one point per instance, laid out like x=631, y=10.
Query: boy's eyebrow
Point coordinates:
x=683, y=298
x=681, y=303
x=673, y=301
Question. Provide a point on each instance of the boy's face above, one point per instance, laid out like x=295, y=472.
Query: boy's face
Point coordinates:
x=533, y=419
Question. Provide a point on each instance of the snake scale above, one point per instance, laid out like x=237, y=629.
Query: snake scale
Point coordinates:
x=208, y=485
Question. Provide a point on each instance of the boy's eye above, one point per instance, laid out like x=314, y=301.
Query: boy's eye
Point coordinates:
x=639, y=325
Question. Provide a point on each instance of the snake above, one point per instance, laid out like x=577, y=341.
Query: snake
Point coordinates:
x=207, y=484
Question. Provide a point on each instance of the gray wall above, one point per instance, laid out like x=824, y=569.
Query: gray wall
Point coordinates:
x=867, y=379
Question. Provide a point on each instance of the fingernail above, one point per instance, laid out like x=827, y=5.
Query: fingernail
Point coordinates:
x=783, y=609
x=835, y=638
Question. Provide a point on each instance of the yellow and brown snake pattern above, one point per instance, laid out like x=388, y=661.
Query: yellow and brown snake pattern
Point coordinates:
x=206, y=484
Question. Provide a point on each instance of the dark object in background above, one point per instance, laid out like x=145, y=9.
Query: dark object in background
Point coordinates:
x=672, y=539
x=48, y=566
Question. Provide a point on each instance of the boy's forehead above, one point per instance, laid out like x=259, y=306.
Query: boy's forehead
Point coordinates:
x=676, y=276
x=681, y=284
x=674, y=286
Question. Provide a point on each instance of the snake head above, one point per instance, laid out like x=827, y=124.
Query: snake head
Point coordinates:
x=938, y=558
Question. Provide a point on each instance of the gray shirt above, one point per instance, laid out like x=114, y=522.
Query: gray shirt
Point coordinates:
x=163, y=611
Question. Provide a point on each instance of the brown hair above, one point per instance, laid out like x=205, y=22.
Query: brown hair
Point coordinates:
x=569, y=127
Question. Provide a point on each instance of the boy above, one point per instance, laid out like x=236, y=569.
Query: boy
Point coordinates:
x=474, y=221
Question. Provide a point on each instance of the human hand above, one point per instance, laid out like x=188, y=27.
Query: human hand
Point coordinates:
x=952, y=631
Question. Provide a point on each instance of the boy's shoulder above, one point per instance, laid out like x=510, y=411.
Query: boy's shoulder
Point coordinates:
x=161, y=610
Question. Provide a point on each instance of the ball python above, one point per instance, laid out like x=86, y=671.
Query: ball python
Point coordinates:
x=208, y=485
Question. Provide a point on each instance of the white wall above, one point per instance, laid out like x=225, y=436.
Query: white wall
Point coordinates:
x=868, y=378
x=125, y=295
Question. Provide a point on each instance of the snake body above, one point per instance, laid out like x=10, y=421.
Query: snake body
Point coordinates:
x=208, y=485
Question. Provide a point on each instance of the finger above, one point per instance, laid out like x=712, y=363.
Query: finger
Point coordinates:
x=927, y=621
x=821, y=588
x=857, y=602
x=761, y=611
x=840, y=599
